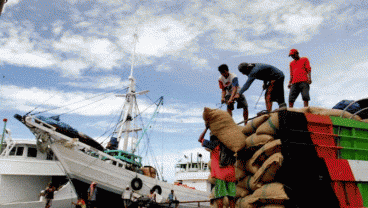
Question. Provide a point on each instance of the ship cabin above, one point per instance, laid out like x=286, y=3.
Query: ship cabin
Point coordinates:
x=25, y=150
x=134, y=160
x=191, y=165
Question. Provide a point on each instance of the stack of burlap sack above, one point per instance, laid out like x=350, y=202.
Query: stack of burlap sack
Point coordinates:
x=256, y=172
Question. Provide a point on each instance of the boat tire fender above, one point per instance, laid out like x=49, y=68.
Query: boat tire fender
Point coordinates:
x=136, y=184
x=157, y=189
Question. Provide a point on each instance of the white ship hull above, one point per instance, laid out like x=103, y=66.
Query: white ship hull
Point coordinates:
x=84, y=165
x=114, y=179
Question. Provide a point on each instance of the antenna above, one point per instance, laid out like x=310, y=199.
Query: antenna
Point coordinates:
x=135, y=36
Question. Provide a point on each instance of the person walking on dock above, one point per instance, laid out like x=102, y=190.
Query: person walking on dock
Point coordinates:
x=229, y=85
x=127, y=196
x=49, y=195
x=273, y=82
x=300, y=78
x=92, y=195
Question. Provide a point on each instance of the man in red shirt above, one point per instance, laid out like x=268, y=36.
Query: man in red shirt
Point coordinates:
x=222, y=169
x=300, y=78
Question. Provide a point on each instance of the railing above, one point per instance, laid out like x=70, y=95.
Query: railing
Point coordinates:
x=9, y=144
x=186, y=202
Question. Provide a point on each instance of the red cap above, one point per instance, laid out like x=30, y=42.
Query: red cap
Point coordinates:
x=5, y=120
x=293, y=51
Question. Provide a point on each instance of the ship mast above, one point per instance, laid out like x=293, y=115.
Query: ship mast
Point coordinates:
x=130, y=109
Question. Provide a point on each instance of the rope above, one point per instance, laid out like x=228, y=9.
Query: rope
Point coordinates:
x=66, y=174
x=77, y=102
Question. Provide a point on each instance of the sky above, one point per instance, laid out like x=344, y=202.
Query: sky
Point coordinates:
x=56, y=54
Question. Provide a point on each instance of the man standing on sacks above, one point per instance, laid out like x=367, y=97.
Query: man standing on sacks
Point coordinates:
x=229, y=85
x=222, y=169
x=273, y=82
x=300, y=78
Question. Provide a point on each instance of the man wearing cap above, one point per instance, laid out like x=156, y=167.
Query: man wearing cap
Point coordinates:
x=300, y=78
x=273, y=82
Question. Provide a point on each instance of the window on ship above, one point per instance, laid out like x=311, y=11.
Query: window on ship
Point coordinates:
x=17, y=151
x=50, y=155
x=32, y=152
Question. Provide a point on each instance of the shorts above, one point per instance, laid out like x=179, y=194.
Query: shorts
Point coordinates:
x=127, y=202
x=223, y=188
x=242, y=102
x=277, y=91
x=296, y=89
x=92, y=203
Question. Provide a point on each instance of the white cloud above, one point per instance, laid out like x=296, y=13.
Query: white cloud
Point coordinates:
x=83, y=24
x=100, y=52
x=343, y=83
x=72, y=67
x=163, y=67
x=18, y=49
x=26, y=99
x=157, y=36
x=100, y=82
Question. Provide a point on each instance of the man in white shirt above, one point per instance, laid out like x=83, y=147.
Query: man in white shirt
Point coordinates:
x=127, y=196
x=229, y=85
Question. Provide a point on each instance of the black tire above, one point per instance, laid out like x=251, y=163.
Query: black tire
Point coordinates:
x=136, y=184
x=157, y=189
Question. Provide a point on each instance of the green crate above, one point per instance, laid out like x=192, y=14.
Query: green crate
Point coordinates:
x=363, y=188
x=337, y=121
x=353, y=154
x=353, y=136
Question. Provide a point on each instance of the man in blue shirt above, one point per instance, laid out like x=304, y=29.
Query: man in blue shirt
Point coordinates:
x=172, y=199
x=273, y=82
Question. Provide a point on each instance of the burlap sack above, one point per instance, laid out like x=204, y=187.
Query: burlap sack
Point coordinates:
x=270, y=126
x=299, y=110
x=264, y=175
x=225, y=201
x=240, y=174
x=269, y=168
x=211, y=180
x=272, y=193
x=224, y=128
x=240, y=164
x=246, y=202
x=272, y=206
x=253, y=124
x=332, y=112
x=212, y=194
x=241, y=192
x=253, y=164
x=256, y=140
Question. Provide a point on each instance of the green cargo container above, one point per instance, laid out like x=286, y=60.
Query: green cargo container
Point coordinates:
x=352, y=136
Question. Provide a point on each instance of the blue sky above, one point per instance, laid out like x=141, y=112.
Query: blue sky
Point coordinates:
x=54, y=53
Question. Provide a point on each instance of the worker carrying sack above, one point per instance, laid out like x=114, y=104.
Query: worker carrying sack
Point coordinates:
x=224, y=128
x=226, y=156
